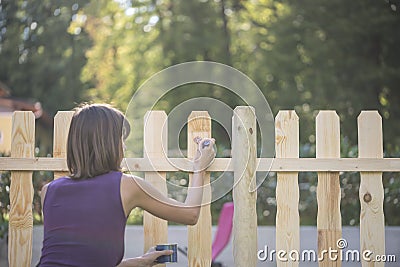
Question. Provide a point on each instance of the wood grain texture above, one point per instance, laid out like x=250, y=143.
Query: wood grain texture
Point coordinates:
x=220, y=164
x=199, y=235
x=287, y=188
x=371, y=192
x=244, y=154
x=329, y=221
x=62, y=121
x=370, y=163
x=155, y=143
x=21, y=192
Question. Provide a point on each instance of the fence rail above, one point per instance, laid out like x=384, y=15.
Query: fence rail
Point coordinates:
x=220, y=164
x=287, y=164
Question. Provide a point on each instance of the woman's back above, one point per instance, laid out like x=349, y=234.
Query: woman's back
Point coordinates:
x=85, y=218
x=84, y=222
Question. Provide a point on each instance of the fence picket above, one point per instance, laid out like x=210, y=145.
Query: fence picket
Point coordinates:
x=245, y=164
x=287, y=187
x=372, y=221
x=62, y=121
x=199, y=235
x=21, y=192
x=329, y=221
x=155, y=143
x=244, y=154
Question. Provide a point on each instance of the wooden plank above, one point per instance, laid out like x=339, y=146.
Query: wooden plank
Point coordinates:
x=287, y=188
x=372, y=221
x=220, y=164
x=21, y=192
x=62, y=121
x=155, y=142
x=199, y=235
x=244, y=153
x=329, y=221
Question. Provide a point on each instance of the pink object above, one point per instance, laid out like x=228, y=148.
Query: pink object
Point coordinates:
x=224, y=230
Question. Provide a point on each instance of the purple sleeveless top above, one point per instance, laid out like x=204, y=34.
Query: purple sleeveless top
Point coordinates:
x=84, y=222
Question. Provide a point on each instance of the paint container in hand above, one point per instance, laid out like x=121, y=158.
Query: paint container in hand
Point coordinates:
x=167, y=258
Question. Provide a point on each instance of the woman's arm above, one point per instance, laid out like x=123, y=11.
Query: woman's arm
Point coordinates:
x=136, y=192
x=43, y=196
x=150, y=199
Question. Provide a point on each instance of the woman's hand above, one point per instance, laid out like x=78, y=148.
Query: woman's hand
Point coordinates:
x=146, y=260
x=205, y=154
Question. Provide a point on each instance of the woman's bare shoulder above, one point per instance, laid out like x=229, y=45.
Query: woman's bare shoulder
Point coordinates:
x=129, y=179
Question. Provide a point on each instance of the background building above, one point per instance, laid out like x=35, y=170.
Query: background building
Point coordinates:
x=44, y=122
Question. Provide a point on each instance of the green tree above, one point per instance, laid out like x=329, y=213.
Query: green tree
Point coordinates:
x=40, y=57
x=307, y=56
x=324, y=55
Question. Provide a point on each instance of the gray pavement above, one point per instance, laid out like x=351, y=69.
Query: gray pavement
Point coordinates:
x=266, y=237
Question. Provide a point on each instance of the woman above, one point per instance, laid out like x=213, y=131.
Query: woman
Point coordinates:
x=85, y=213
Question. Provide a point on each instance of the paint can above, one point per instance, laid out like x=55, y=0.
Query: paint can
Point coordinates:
x=168, y=258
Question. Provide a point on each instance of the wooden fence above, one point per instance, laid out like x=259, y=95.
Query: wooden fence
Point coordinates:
x=244, y=163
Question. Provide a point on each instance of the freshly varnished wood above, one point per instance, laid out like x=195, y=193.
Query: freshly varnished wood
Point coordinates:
x=372, y=221
x=62, y=121
x=370, y=163
x=155, y=143
x=21, y=192
x=287, y=187
x=220, y=164
x=244, y=154
x=199, y=235
x=329, y=221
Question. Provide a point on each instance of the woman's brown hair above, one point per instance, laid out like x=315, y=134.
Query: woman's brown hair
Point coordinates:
x=94, y=144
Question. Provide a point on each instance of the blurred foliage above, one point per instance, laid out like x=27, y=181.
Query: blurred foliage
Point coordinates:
x=304, y=55
x=4, y=202
x=135, y=217
x=40, y=57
